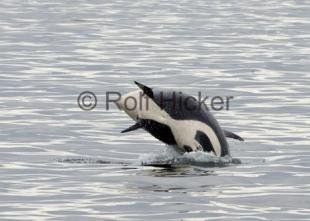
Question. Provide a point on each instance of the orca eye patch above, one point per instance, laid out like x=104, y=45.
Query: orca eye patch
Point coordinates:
x=204, y=141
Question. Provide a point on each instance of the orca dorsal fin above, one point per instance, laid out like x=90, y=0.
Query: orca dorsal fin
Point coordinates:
x=146, y=90
x=136, y=126
x=232, y=135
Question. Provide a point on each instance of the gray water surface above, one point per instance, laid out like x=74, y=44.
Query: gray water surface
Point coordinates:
x=58, y=162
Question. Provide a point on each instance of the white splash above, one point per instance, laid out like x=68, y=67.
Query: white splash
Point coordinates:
x=170, y=156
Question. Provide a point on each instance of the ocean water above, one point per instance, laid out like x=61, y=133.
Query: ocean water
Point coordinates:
x=58, y=162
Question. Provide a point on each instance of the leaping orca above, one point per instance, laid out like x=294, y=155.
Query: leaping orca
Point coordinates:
x=176, y=120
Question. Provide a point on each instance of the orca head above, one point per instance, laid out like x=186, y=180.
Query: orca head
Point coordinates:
x=133, y=103
x=147, y=114
x=138, y=105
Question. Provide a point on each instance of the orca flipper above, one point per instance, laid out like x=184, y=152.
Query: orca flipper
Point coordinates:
x=232, y=135
x=132, y=128
x=146, y=90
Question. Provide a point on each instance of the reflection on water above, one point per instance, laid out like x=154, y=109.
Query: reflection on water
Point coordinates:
x=61, y=163
x=180, y=172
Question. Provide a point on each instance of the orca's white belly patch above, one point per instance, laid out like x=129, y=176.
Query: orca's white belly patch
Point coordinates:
x=187, y=132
